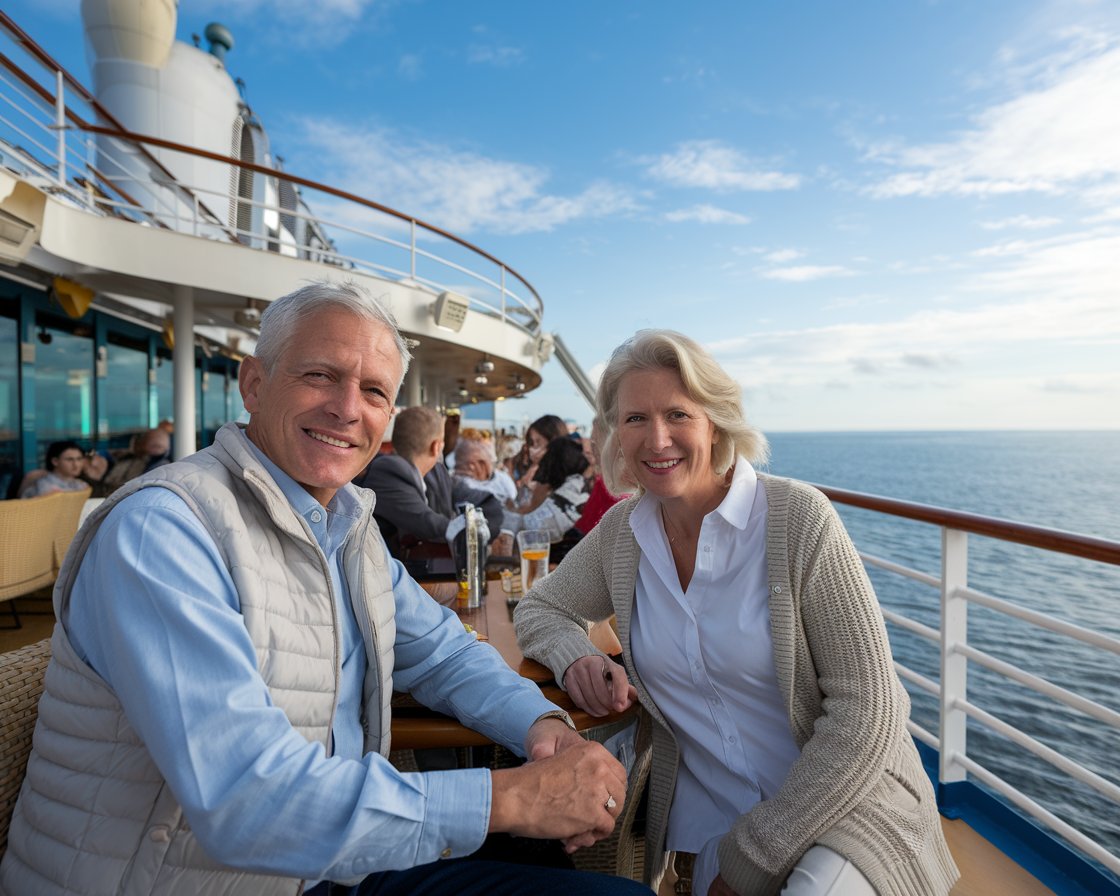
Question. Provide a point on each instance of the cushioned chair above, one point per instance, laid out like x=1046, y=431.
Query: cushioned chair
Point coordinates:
x=21, y=683
x=28, y=531
x=66, y=522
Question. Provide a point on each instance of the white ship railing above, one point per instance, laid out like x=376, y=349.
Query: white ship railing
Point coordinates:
x=54, y=133
x=956, y=653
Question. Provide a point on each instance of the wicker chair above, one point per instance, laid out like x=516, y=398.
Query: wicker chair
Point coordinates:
x=623, y=852
x=28, y=531
x=69, y=511
x=21, y=683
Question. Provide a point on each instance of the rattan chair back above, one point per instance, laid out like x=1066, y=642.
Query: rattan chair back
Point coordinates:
x=21, y=683
x=66, y=522
x=28, y=529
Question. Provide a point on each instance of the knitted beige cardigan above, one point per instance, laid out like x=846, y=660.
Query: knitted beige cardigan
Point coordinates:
x=858, y=786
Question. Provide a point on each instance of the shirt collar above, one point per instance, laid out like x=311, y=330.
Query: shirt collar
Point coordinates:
x=737, y=503
x=344, y=504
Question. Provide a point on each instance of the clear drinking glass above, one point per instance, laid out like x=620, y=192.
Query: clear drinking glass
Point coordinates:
x=533, y=546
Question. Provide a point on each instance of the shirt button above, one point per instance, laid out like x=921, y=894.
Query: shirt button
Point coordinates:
x=446, y=853
x=731, y=740
x=316, y=517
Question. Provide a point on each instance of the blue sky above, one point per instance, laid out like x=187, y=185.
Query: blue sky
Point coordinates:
x=878, y=215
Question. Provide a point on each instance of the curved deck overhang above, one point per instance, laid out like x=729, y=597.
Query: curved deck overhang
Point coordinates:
x=132, y=262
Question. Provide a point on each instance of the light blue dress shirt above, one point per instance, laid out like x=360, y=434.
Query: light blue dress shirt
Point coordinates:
x=154, y=612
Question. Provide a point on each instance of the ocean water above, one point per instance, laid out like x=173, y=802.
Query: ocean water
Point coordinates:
x=1059, y=480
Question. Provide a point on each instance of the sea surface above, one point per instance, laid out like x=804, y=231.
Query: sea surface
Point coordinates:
x=1058, y=480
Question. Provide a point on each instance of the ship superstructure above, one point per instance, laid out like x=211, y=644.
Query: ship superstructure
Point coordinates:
x=153, y=212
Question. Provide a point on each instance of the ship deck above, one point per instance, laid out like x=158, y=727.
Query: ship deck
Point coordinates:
x=985, y=871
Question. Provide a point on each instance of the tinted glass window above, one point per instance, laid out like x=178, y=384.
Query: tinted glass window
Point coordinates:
x=9, y=403
x=63, y=388
x=126, y=409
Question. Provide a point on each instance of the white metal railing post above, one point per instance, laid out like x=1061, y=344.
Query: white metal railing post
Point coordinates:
x=412, y=253
x=954, y=664
x=503, y=302
x=60, y=124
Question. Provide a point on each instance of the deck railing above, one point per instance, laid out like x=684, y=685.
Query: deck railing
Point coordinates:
x=69, y=145
x=952, y=640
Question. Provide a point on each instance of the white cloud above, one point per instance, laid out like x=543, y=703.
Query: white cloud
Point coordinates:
x=453, y=189
x=324, y=23
x=1087, y=384
x=500, y=57
x=1069, y=273
x=707, y=214
x=806, y=272
x=712, y=165
x=780, y=256
x=1057, y=301
x=1020, y=222
x=1060, y=135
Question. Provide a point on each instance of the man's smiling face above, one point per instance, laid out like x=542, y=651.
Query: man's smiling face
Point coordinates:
x=321, y=414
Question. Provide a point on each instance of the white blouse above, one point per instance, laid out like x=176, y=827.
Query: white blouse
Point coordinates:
x=706, y=657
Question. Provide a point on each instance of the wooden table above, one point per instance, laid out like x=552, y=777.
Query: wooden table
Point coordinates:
x=416, y=727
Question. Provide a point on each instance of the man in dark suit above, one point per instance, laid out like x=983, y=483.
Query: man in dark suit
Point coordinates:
x=416, y=496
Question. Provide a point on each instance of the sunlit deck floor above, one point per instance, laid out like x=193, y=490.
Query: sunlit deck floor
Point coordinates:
x=985, y=871
x=36, y=615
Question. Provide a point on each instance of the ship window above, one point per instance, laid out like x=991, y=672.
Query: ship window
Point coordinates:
x=63, y=385
x=219, y=399
x=127, y=409
x=9, y=404
x=165, y=386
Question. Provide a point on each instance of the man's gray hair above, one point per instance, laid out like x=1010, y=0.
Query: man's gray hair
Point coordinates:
x=706, y=383
x=282, y=318
x=414, y=430
x=467, y=449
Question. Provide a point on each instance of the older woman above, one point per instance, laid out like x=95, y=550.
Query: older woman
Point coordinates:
x=754, y=641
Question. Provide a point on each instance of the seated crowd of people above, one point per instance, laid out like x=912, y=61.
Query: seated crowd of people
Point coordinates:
x=547, y=480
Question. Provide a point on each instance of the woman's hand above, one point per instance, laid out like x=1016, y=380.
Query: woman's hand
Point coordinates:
x=599, y=686
x=527, y=477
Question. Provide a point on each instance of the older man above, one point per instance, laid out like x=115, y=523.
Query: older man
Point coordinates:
x=416, y=496
x=216, y=712
x=475, y=467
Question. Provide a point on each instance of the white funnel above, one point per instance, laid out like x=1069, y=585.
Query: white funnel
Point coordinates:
x=137, y=30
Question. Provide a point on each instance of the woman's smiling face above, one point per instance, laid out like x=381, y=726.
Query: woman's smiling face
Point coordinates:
x=666, y=438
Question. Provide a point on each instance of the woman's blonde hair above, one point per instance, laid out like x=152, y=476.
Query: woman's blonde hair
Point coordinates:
x=706, y=383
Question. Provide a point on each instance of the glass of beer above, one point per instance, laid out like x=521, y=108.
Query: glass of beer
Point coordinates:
x=532, y=544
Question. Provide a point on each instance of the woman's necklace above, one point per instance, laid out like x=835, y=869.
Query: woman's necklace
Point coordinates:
x=670, y=529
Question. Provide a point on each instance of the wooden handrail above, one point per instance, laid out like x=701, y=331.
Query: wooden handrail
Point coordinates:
x=311, y=184
x=120, y=132
x=1058, y=540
